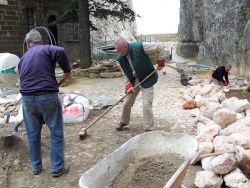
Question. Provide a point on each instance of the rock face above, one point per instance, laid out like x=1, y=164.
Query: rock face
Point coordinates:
x=215, y=32
x=190, y=28
x=109, y=29
x=244, y=63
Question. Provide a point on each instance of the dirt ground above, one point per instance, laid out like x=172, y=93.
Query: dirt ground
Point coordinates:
x=102, y=138
x=238, y=94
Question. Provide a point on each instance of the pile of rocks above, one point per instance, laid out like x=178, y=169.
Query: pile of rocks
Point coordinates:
x=222, y=125
x=100, y=69
x=10, y=109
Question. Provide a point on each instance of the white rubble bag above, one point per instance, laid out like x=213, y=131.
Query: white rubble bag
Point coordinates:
x=75, y=108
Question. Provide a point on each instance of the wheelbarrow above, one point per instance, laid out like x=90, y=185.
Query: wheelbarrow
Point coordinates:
x=143, y=145
x=10, y=130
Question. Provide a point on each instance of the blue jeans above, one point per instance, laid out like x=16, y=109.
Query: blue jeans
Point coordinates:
x=38, y=110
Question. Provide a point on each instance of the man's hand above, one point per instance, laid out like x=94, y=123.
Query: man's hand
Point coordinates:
x=160, y=63
x=225, y=84
x=67, y=76
x=129, y=87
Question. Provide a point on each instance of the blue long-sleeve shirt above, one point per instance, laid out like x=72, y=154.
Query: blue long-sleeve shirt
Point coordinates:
x=37, y=69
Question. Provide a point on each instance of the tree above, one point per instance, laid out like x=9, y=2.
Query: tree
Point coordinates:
x=85, y=47
x=80, y=11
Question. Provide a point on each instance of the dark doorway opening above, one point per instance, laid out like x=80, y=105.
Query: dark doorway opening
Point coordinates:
x=53, y=29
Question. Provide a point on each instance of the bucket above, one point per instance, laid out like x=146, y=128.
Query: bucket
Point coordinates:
x=8, y=64
x=240, y=81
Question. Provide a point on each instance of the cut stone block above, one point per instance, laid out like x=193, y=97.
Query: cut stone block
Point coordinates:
x=224, y=117
x=223, y=164
x=207, y=179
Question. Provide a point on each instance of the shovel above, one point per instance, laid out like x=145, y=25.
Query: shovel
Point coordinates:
x=83, y=131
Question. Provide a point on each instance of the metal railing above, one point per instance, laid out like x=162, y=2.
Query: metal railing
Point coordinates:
x=146, y=38
x=99, y=43
x=104, y=49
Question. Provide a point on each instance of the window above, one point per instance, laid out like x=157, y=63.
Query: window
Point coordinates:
x=71, y=31
x=30, y=19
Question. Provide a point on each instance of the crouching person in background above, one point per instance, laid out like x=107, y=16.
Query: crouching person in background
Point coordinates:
x=220, y=73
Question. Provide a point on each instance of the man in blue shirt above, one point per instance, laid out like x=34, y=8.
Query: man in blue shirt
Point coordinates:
x=41, y=104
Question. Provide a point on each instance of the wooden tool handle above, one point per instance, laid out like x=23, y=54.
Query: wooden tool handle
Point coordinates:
x=105, y=112
x=178, y=177
x=215, y=153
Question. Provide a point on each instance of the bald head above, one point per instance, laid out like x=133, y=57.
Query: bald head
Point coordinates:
x=121, y=46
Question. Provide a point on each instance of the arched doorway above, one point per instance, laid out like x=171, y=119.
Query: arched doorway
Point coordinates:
x=52, y=27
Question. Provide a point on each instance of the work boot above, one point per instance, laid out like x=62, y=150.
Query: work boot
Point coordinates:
x=60, y=172
x=37, y=172
x=120, y=126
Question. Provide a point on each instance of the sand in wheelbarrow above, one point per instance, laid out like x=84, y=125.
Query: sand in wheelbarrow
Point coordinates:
x=151, y=172
x=13, y=158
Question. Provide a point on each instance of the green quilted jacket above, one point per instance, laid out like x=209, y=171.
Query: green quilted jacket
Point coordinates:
x=142, y=64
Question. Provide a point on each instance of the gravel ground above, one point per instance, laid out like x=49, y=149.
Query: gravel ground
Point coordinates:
x=102, y=138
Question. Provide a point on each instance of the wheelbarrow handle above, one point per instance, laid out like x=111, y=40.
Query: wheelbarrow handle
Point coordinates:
x=111, y=107
x=178, y=177
x=17, y=125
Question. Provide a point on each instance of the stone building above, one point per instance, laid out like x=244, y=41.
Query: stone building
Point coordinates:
x=17, y=17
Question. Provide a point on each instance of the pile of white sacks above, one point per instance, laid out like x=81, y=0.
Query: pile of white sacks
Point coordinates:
x=222, y=125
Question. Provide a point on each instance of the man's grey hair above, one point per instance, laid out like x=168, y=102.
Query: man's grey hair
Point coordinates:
x=33, y=36
x=121, y=41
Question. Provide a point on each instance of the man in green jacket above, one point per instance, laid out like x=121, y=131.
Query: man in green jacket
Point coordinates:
x=136, y=64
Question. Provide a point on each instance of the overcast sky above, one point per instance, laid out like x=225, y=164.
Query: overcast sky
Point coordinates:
x=157, y=16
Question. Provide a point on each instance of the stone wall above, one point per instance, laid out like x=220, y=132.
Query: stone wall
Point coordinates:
x=211, y=31
x=13, y=22
x=11, y=27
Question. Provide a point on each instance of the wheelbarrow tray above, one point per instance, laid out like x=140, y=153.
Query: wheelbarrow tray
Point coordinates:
x=141, y=146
